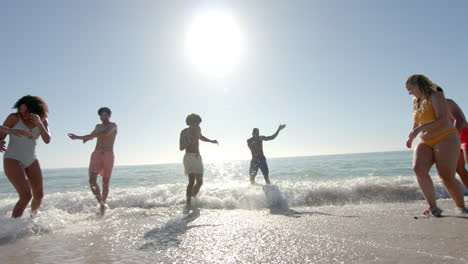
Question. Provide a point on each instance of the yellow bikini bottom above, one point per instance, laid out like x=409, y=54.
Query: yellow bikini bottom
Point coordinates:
x=433, y=141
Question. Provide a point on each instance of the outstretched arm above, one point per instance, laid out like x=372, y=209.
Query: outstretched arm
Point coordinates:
x=73, y=136
x=281, y=127
x=105, y=132
x=203, y=138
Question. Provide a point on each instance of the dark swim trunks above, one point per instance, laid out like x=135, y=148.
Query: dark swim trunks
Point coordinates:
x=258, y=163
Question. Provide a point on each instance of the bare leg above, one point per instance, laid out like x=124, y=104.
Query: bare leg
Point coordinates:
x=189, y=188
x=95, y=187
x=461, y=170
x=265, y=170
x=253, y=171
x=105, y=188
x=447, y=153
x=267, y=180
x=198, y=184
x=108, y=165
x=252, y=178
x=16, y=175
x=34, y=174
x=423, y=158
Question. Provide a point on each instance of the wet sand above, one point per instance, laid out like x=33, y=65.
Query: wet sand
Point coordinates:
x=366, y=233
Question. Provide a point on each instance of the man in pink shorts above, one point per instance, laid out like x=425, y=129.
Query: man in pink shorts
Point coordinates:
x=459, y=120
x=102, y=159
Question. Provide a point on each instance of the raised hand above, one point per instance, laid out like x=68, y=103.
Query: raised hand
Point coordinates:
x=281, y=127
x=73, y=136
x=35, y=119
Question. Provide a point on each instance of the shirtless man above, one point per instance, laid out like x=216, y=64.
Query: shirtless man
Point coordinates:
x=193, y=163
x=459, y=121
x=255, y=144
x=102, y=159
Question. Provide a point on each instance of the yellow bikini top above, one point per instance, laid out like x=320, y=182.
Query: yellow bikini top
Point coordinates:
x=425, y=116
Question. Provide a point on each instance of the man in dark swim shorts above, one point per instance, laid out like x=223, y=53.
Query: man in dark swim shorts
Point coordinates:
x=255, y=144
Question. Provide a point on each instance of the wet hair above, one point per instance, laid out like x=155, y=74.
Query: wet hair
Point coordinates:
x=193, y=119
x=104, y=109
x=427, y=88
x=34, y=104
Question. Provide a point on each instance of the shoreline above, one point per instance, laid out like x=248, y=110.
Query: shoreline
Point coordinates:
x=365, y=233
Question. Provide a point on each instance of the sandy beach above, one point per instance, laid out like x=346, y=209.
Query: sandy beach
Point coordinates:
x=203, y=132
x=366, y=233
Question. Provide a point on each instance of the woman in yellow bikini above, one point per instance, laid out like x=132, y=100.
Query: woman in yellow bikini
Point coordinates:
x=439, y=142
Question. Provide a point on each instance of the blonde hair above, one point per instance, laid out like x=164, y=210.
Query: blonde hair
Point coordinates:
x=427, y=88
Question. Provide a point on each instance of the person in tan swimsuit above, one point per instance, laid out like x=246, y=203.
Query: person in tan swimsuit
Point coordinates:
x=193, y=164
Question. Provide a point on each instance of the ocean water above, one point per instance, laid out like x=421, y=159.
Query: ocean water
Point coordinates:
x=146, y=197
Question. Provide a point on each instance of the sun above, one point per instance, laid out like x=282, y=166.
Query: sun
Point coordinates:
x=214, y=43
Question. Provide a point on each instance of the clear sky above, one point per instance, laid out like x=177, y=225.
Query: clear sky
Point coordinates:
x=333, y=71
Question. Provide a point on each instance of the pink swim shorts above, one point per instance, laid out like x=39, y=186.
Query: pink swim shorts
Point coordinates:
x=101, y=163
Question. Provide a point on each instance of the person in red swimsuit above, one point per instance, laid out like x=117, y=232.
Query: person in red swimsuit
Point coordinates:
x=459, y=121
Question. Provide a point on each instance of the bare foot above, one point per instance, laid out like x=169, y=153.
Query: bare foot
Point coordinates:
x=33, y=213
x=462, y=210
x=187, y=208
x=103, y=208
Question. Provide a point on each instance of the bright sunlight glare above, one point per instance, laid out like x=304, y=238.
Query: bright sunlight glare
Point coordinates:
x=214, y=43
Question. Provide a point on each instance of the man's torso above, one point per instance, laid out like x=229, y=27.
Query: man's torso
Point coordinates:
x=192, y=136
x=105, y=143
x=256, y=146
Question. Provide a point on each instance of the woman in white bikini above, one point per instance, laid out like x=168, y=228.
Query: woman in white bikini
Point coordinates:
x=20, y=163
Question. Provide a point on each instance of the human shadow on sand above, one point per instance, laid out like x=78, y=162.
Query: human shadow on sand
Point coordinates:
x=278, y=205
x=168, y=235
